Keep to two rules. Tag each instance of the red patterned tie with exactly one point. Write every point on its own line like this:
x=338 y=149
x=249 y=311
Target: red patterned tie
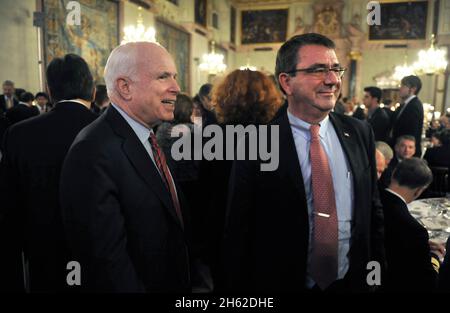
x=324 y=262
x=160 y=161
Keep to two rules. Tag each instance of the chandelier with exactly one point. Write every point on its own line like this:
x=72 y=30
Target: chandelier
x=401 y=71
x=135 y=33
x=248 y=66
x=212 y=62
x=386 y=81
x=431 y=61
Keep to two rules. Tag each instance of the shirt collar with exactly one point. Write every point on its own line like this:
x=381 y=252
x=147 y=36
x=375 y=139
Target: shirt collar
x=141 y=131
x=72 y=100
x=394 y=193
x=409 y=99
x=304 y=127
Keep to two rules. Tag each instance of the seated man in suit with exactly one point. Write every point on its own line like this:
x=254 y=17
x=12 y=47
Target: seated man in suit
x=377 y=117
x=384 y=148
x=404 y=149
x=440 y=156
x=121 y=208
x=412 y=266
x=315 y=222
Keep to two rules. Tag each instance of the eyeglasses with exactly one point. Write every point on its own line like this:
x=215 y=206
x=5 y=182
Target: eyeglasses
x=320 y=72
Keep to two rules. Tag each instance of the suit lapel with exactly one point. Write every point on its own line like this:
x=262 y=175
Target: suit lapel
x=349 y=142
x=348 y=137
x=289 y=157
x=140 y=159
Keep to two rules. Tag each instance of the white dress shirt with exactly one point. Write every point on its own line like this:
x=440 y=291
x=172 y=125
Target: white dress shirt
x=342 y=184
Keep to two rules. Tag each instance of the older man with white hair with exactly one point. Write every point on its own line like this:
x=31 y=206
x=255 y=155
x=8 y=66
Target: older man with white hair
x=122 y=212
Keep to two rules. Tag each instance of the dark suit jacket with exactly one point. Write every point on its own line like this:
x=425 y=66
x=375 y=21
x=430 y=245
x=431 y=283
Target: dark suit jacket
x=30 y=171
x=267 y=229
x=120 y=221
x=381 y=124
x=3 y=103
x=4 y=124
x=359 y=114
x=389 y=112
x=385 y=179
x=410 y=122
x=408 y=255
x=438 y=156
x=20 y=112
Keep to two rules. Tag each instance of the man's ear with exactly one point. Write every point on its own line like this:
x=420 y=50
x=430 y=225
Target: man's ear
x=123 y=88
x=284 y=80
x=418 y=191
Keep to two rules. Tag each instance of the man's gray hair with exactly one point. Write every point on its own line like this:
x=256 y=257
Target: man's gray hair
x=385 y=149
x=121 y=62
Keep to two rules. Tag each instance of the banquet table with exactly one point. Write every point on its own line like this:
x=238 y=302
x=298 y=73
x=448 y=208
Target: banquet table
x=434 y=215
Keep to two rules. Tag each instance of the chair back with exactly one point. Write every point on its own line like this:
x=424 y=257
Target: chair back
x=441 y=181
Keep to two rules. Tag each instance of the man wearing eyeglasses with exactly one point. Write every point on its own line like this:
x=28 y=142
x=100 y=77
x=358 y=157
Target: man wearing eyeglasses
x=315 y=222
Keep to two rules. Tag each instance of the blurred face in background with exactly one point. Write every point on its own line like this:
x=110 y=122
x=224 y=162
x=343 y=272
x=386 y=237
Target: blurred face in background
x=206 y=101
x=41 y=101
x=405 y=149
x=405 y=92
x=444 y=121
x=435 y=141
x=369 y=101
x=196 y=116
x=8 y=90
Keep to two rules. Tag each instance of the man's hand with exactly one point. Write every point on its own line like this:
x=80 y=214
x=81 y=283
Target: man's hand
x=438 y=249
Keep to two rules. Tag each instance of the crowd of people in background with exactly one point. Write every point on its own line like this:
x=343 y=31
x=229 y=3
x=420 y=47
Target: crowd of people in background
x=87 y=174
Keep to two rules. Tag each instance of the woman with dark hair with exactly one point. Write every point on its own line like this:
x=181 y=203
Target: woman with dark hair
x=184 y=172
x=440 y=156
x=243 y=97
x=202 y=105
x=169 y=132
x=101 y=101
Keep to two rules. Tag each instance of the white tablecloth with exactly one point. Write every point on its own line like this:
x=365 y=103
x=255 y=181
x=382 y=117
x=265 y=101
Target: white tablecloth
x=434 y=215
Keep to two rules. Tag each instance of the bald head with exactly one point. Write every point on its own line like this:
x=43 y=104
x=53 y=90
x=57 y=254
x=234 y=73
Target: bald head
x=140 y=78
x=126 y=61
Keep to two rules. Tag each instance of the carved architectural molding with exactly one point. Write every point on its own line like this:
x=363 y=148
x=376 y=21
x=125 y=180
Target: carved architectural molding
x=328 y=18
